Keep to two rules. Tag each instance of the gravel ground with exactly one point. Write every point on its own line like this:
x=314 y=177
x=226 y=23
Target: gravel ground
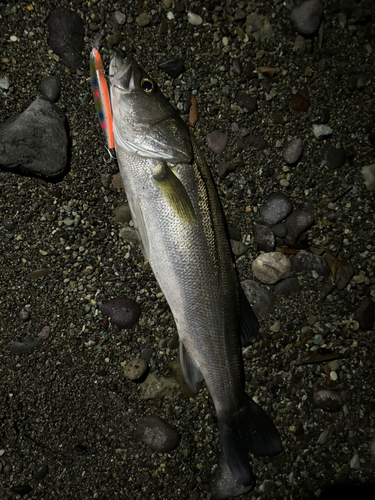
x=67 y=412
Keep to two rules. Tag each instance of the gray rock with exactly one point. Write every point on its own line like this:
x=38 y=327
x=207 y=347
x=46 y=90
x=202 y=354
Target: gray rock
x=343 y=275
x=157 y=434
x=324 y=436
x=223 y=484
x=35 y=140
x=269 y=268
x=293 y=151
x=354 y=462
x=122 y=214
x=194 y=19
x=297 y=222
x=66 y=32
x=260 y=299
x=368 y=173
x=247 y=102
x=124 y=313
x=318 y=339
x=335 y=157
x=26 y=346
x=135 y=369
x=264 y=238
x=321 y=131
x=224 y=168
x=280 y=230
x=41 y=472
x=276 y=208
x=157 y=387
x=307 y=16
x=287 y=287
x=50 y=88
x=238 y=248
x=129 y=235
x=305 y=261
x=216 y=141
x=143 y=19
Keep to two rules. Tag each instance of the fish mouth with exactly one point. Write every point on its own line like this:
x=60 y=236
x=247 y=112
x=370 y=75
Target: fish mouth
x=122 y=72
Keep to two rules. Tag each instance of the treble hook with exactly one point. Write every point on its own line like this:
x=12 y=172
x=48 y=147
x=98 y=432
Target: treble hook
x=111 y=156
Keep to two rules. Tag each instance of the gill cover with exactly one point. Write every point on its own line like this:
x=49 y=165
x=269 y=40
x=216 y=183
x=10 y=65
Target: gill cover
x=145 y=123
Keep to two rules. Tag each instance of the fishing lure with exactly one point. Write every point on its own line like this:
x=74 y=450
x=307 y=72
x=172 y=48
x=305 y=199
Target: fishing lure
x=101 y=97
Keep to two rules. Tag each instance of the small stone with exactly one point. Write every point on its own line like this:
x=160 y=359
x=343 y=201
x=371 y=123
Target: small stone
x=120 y=17
x=129 y=235
x=300 y=101
x=335 y=157
x=124 y=313
x=307 y=16
x=106 y=180
x=4 y=83
x=264 y=238
x=260 y=299
x=287 y=287
x=333 y=375
x=24 y=315
x=329 y=401
x=39 y=273
x=157 y=434
x=280 y=230
x=157 y=387
x=224 y=168
x=368 y=173
x=324 y=436
x=22 y=489
x=143 y=20
x=318 y=339
x=297 y=222
x=269 y=268
x=194 y=19
x=122 y=213
x=343 y=275
x=44 y=332
x=275 y=328
x=276 y=208
x=293 y=151
x=216 y=141
x=321 y=131
x=26 y=346
x=238 y=248
x=41 y=472
x=135 y=369
x=354 y=462
x=247 y=102
x=8 y=224
x=50 y=88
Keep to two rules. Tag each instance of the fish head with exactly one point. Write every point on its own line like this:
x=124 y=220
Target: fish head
x=145 y=123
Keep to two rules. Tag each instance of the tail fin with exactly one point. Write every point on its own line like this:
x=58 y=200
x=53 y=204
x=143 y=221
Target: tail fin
x=250 y=430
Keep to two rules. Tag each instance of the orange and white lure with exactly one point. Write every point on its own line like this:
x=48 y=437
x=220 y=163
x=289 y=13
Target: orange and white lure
x=101 y=96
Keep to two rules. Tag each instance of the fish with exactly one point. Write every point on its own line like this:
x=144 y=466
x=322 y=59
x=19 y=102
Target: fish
x=101 y=96
x=182 y=232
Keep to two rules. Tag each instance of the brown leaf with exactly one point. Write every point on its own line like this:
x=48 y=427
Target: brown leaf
x=193 y=112
x=267 y=71
x=324 y=355
x=334 y=262
x=316 y=251
x=287 y=251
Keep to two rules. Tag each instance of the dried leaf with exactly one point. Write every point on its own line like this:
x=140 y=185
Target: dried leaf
x=316 y=251
x=287 y=251
x=267 y=71
x=334 y=262
x=193 y=112
x=324 y=355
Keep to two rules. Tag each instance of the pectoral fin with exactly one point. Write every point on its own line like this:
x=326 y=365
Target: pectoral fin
x=192 y=373
x=175 y=193
x=140 y=226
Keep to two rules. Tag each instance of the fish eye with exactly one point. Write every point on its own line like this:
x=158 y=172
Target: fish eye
x=147 y=85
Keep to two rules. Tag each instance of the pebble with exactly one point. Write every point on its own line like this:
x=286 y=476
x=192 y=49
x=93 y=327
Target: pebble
x=306 y=261
x=66 y=36
x=44 y=332
x=247 y=102
x=22 y=489
x=124 y=313
x=238 y=248
x=26 y=346
x=224 y=168
x=4 y=83
x=324 y=436
x=261 y=299
x=297 y=222
x=41 y=472
x=368 y=173
x=343 y=275
x=8 y=224
x=143 y=19
x=157 y=387
x=318 y=339
x=173 y=67
x=39 y=273
x=24 y=315
x=120 y=17
x=300 y=101
x=194 y=19
x=280 y=230
x=287 y=287
x=122 y=213
x=275 y=328
x=333 y=375
x=129 y=235
x=269 y=268
x=264 y=238
x=329 y=401
x=354 y=462
x=50 y=88
x=293 y=151
x=135 y=369
x=157 y=434
x=307 y=16
x=276 y=208
x=321 y=131
x=335 y=157
x=217 y=141
x=237 y=67
x=365 y=314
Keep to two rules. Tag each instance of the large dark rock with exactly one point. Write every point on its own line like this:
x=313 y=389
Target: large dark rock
x=35 y=140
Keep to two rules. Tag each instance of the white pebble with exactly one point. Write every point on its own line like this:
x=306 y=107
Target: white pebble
x=170 y=16
x=333 y=375
x=194 y=19
x=13 y=38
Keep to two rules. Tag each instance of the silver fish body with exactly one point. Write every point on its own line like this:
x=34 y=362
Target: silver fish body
x=181 y=227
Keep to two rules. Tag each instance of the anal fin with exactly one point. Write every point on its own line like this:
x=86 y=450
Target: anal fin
x=192 y=373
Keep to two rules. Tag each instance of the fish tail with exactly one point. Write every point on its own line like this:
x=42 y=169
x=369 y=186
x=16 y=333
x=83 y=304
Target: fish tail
x=248 y=430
